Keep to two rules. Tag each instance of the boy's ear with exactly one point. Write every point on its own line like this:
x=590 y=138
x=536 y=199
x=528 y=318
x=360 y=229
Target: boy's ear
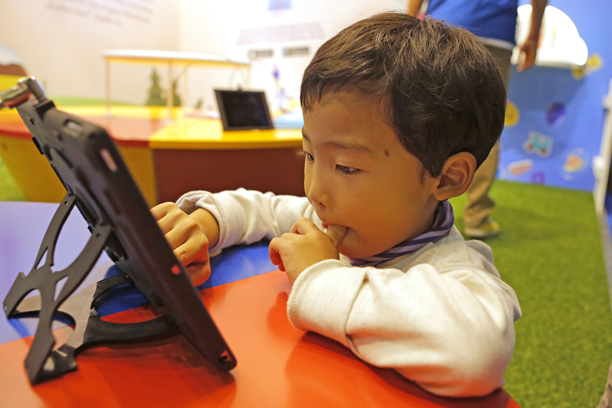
x=456 y=176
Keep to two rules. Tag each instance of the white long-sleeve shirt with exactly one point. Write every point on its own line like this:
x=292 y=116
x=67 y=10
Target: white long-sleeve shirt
x=441 y=317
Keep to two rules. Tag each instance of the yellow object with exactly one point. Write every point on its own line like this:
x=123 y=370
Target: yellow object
x=9 y=116
x=137 y=112
x=208 y=134
x=594 y=62
x=578 y=72
x=38 y=181
x=8 y=81
x=512 y=115
x=30 y=169
x=36 y=178
x=139 y=161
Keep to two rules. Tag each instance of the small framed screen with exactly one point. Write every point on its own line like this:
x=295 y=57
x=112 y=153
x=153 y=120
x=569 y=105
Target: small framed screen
x=243 y=110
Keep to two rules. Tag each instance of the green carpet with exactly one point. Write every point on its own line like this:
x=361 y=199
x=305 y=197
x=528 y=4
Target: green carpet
x=550 y=253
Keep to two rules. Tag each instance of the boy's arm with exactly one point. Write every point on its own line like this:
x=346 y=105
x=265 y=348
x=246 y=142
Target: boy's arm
x=246 y=216
x=450 y=332
x=201 y=223
x=208 y=223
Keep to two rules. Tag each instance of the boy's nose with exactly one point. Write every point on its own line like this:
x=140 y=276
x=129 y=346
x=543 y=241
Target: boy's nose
x=316 y=200
x=316 y=194
x=318 y=204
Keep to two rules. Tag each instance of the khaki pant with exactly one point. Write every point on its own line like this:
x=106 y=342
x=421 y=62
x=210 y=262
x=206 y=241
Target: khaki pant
x=606 y=398
x=479 y=204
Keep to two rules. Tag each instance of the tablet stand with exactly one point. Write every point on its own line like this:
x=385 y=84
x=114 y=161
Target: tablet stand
x=55 y=287
x=41 y=362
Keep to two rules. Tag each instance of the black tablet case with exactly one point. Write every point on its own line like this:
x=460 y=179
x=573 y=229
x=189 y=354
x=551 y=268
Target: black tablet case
x=87 y=162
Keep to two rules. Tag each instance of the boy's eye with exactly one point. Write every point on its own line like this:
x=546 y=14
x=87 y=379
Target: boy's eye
x=307 y=155
x=346 y=170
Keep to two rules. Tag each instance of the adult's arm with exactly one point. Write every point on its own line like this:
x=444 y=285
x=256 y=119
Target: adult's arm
x=529 y=48
x=413 y=7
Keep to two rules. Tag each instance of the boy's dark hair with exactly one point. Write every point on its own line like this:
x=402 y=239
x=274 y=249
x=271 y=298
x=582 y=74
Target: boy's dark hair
x=440 y=87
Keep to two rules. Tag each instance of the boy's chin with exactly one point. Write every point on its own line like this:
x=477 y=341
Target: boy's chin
x=350 y=252
x=352 y=246
x=353 y=251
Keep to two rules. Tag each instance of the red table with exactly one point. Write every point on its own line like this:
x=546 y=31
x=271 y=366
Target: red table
x=278 y=366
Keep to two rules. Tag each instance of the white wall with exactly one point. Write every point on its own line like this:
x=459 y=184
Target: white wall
x=61 y=41
x=232 y=28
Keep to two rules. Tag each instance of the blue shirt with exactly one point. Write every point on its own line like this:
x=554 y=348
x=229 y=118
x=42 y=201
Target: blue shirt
x=494 y=19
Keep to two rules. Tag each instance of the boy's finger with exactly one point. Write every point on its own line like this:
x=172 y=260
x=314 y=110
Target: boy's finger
x=274 y=253
x=336 y=232
x=304 y=226
x=188 y=252
x=198 y=272
x=275 y=258
x=158 y=213
x=166 y=225
x=160 y=210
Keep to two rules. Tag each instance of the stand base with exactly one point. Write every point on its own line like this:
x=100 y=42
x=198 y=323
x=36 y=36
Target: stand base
x=41 y=362
x=89 y=328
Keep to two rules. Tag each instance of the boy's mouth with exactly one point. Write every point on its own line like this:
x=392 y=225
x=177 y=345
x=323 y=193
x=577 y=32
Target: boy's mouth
x=326 y=226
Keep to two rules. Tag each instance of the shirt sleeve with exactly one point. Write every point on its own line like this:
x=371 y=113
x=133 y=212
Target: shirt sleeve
x=452 y=332
x=247 y=216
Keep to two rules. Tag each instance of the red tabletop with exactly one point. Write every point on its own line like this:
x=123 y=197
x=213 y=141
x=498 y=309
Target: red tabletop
x=278 y=366
x=132 y=131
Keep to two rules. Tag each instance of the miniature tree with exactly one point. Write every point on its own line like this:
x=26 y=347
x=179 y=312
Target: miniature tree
x=155 y=92
x=176 y=97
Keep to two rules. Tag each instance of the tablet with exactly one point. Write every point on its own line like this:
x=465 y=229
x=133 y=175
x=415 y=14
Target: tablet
x=243 y=110
x=87 y=162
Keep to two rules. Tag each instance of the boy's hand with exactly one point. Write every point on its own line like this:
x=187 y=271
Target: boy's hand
x=304 y=246
x=186 y=238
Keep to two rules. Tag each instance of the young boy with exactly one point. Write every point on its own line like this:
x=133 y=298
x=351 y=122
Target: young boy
x=398 y=114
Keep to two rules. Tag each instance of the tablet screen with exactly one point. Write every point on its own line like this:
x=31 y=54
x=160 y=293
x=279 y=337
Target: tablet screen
x=243 y=110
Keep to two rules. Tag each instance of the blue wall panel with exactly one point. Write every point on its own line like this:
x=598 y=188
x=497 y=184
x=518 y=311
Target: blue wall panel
x=560 y=116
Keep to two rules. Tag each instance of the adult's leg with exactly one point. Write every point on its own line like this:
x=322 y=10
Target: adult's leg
x=479 y=203
x=606 y=398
